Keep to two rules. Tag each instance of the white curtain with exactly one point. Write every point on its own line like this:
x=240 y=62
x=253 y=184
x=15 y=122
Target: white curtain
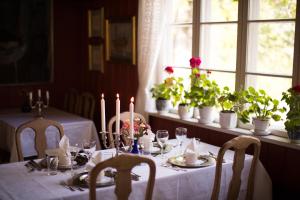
x=152 y=20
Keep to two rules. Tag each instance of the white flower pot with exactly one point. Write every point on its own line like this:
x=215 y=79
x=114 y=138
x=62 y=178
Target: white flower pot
x=196 y=112
x=184 y=112
x=207 y=115
x=261 y=126
x=228 y=120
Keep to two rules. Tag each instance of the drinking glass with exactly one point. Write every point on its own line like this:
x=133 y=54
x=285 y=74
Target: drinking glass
x=52 y=164
x=89 y=147
x=74 y=150
x=181 y=135
x=162 y=137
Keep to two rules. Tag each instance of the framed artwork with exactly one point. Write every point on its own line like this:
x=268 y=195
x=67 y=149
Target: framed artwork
x=95 y=39
x=121 y=40
x=96 y=60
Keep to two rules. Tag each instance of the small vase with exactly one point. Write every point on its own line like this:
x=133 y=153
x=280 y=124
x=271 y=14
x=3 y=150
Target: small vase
x=135 y=148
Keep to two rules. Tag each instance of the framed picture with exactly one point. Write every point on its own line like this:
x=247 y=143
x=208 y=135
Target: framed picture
x=96 y=58
x=95 y=21
x=121 y=40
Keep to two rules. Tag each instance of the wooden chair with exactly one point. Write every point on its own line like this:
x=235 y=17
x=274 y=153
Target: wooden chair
x=239 y=144
x=71 y=100
x=39 y=126
x=123 y=116
x=86 y=105
x=123 y=164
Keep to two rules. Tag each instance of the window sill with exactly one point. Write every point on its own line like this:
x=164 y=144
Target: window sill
x=276 y=137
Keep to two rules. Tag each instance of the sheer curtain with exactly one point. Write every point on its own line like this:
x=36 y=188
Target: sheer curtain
x=152 y=19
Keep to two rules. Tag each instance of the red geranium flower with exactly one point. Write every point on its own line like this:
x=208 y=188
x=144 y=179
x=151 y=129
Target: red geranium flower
x=169 y=70
x=296 y=88
x=197 y=75
x=195 y=62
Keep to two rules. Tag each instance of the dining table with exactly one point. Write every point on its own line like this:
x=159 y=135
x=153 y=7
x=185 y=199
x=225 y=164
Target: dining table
x=76 y=128
x=171 y=182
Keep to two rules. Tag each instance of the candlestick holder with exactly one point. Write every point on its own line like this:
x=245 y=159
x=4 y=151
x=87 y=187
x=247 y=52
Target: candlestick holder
x=113 y=141
x=39 y=104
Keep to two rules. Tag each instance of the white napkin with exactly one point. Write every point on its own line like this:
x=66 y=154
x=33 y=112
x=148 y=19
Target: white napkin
x=95 y=159
x=63 y=152
x=191 y=152
x=147 y=141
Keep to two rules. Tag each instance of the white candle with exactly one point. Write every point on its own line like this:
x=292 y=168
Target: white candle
x=30 y=96
x=39 y=93
x=103 y=113
x=47 y=95
x=131 y=110
x=118 y=115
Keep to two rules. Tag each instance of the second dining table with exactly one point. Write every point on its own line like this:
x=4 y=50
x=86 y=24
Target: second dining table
x=170 y=182
x=77 y=128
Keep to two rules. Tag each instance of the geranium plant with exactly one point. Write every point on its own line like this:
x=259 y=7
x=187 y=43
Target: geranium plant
x=261 y=105
x=171 y=88
x=231 y=101
x=292 y=98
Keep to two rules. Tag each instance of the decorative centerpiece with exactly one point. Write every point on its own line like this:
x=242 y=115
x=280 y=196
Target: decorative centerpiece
x=292 y=123
x=140 y=129
x=262 y=108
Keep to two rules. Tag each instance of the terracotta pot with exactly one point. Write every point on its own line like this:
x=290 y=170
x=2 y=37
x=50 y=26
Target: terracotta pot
x=228 y=120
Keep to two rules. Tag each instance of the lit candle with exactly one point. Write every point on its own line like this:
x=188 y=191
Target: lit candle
x=131 y=110
x=118 y=115
x=103 y=113
x=39 y=93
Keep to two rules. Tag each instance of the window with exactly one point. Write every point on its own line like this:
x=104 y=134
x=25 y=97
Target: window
x=244 y=43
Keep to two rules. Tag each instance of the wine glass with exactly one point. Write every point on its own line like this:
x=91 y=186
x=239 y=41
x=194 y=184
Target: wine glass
x=89 y=147
x=74 y=150
x=162 y=137
x=181 y=135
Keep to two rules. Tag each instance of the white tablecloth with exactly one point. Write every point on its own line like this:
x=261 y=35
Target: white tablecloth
x=75 y=127
x=17 y=183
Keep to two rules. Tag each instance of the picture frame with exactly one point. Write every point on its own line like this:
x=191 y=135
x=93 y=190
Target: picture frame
x=120 y=40
x=96 y=58
x=96 y=22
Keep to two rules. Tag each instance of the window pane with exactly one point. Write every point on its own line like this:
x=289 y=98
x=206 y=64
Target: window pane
x=218 y=46
x=182 y=11
x=270 y=9
x=271 y=47
x=274 y=86
x=219 y=10
x=180 y=47
x=223 y=79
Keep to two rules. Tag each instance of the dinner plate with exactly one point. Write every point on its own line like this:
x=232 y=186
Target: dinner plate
x=156 y=148
x=202 y=161
x=82 y=180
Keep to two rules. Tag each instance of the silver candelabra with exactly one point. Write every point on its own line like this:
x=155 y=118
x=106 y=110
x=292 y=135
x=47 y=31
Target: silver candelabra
x=39 y=104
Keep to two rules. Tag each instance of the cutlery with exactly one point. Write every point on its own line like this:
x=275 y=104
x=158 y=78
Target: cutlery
x=167 y=165
x=35 y=165
x=29 y=167
x=67 y=186
x=214 y=156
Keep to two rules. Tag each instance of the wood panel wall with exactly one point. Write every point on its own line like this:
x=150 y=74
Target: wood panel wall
x=71 y=60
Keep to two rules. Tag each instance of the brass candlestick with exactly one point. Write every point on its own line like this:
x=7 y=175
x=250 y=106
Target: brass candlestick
x=39 y=104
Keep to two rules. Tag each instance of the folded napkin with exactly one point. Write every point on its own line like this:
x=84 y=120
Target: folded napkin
x=63 y=152
x=147 y=141
x=191 y=152
x=95 y=159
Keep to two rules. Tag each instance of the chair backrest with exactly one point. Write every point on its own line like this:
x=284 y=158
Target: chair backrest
x=86 y=105
x=71 y=100
x=123 y=117
x=239 y=144
x=39 y=126
x=123 y=164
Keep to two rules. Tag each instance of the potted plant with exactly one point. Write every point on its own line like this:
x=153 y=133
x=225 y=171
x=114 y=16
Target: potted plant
x=167 y=91
x=292 y=123
x=204 y=94
x=230 y=102
x=263 y=108
x=195 y=63
x=184 y=106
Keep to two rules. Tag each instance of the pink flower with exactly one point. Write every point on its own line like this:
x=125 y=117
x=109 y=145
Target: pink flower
x=169 y=69
x=296 y=88
x=197 y=75
x=195 y=62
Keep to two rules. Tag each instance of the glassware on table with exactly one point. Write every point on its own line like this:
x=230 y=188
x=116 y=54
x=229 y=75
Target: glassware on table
x=181 y=135
x=52 y=164
x=162 y=136
x=74 y=150
x=89 y=147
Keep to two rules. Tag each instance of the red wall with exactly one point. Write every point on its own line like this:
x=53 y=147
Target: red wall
x=71 y=59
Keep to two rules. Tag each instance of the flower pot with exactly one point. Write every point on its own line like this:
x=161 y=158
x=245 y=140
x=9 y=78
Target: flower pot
x=184 y=111
x=207 y=115
x=162 y=106
x=228 y=120
x=261 y=126
x=196 y=112
x=294 y=136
